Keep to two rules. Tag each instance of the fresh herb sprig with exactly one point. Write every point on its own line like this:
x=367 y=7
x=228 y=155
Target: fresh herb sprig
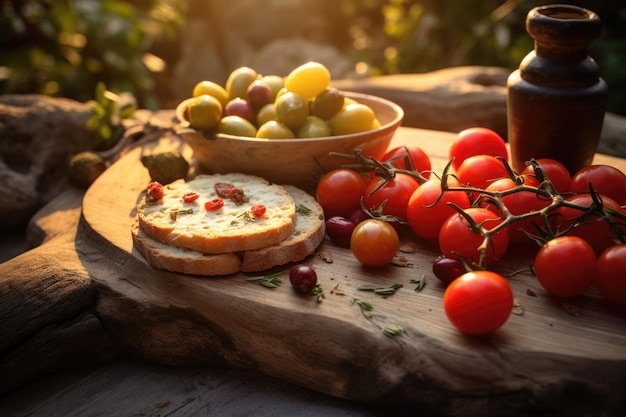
x=271 y=281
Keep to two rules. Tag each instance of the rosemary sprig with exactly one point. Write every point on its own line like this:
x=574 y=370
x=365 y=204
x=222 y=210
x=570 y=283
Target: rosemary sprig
x=364 y=305
x=302 y=209
x=389 y=331
x=420 y=283
x=381 y=290
x=393 y=331
x=272 y=281
x=246 y=216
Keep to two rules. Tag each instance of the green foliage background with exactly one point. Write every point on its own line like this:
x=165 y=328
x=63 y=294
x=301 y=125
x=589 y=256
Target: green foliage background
x=65 y=47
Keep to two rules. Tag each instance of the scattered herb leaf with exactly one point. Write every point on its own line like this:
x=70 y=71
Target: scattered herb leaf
x=302 y=209
x=420 y=283
x=272 y=281
x=393 y=331
x=318 y=292
x=381 y=290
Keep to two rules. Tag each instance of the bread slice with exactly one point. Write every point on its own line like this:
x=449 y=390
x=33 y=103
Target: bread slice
x=185 y=261
x=225 y=230
x=308 y=235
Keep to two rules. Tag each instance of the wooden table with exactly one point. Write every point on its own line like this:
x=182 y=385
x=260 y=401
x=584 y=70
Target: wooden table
x=542 y=360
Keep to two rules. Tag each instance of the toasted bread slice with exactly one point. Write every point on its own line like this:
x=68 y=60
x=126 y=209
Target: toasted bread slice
x=307 y=236
x=185 y=261
x=225 y=230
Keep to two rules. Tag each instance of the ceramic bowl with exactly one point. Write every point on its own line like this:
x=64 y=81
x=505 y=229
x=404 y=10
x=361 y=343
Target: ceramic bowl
x=298 y=162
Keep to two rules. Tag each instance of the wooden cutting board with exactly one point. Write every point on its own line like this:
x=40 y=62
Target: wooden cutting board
x=549 y=356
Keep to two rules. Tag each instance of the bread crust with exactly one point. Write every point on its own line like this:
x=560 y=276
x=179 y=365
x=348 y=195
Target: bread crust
x=309 y=234
x=225 y=230
x=184 y=261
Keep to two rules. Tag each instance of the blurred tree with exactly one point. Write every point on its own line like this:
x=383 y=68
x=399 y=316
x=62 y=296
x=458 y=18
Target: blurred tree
x=65 y=47
x=403 y=36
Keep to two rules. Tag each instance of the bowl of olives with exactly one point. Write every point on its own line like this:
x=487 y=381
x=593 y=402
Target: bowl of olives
x=284 y=129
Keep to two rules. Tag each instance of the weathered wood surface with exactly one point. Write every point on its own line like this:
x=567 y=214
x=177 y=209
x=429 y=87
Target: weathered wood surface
x=98 y=290
x=131 y=388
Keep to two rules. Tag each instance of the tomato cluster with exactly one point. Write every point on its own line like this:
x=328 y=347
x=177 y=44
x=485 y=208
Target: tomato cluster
x=476 y=211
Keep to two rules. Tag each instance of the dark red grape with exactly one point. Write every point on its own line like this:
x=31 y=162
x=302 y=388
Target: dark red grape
x=303 y=278
x=339 y=230
x=448 y=269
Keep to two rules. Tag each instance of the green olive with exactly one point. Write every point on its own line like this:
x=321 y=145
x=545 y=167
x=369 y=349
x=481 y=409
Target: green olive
x=236 y=126
x=238 y=82
x=274 y=130
x=291 y=109
x=204 y=112
x=313 y=127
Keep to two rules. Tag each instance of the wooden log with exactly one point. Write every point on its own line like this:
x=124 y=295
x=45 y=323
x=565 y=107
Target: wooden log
x=47 y=301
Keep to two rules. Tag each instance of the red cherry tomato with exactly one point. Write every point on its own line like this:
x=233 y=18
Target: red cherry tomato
x=258 y=210
x=555 y=171
x=476 y=141
x=606 y=180
x=428 y=208
x=409 y=158
x=611 y=274
x=565 y=266
x=155 y=190
x=190 y=197
x=478 y=302
x=594 y=230
x=458 y=239
x=394 y=194
x=215 y=204
x=520 y=202
x=339 y=192
x=374 y=242
x=479 y=171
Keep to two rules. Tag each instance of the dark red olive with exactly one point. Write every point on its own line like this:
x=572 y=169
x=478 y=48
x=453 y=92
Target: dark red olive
x=448 y=269
x=303 y=278
x=339 y=230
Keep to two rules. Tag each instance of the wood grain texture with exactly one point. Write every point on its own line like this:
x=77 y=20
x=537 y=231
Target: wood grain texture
x=545 y=357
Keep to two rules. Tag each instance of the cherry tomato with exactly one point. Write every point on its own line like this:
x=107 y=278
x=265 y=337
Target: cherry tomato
x=555 y=171
x=428 y=208
x=339 y=191
x=394 y=194
x=409 y=158
x=476 y=141
x=448 y=269
x=303 y=278
x=517 y=203
x=458 y=239
x=339 y=230
x=594 y=230
x=611 y=274
x=374 y=242
x=215 y=204
x=565 y=266
x=478 y=302
x=606 y=180
x=155 y=190
x=258 y=210
x=479 y=171
x=190 y=197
